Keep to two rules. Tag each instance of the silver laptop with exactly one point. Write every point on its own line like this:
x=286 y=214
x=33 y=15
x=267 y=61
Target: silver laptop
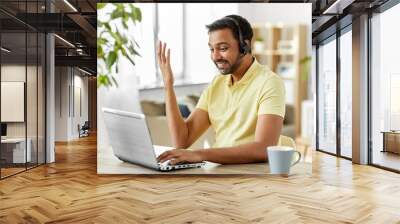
x=131 y=141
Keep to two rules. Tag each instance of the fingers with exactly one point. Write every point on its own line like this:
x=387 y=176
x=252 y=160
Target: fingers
x=163 y=56
x=177 y=160
x=163 y=53
x=168 y=54
x=175 y=156
x=167 y=156
x=163 y=155
x=159 y=52
x=170 y=157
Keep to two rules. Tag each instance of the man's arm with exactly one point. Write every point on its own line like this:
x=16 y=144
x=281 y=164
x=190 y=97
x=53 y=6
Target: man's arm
x=268 y=130
x=183 y=133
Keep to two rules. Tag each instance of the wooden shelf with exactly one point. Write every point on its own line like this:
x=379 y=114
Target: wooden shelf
x=275 y=53
x=293 y=39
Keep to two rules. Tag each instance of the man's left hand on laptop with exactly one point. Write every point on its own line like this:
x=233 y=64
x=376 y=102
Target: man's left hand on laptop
x=180 y=156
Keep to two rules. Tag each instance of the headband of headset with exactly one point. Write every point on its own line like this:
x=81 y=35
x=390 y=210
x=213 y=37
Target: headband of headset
x=243 y=47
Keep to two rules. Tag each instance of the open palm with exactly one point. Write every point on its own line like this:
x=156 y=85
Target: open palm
x=163 y=58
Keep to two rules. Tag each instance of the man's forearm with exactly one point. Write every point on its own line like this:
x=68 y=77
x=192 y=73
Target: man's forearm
x=176 y=124
x=247 y=153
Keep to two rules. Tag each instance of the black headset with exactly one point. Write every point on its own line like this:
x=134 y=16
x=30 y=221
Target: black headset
x=243 y=47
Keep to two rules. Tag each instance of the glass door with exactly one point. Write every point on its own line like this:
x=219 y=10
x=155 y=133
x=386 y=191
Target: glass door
x=327 y=96
x=346 y=93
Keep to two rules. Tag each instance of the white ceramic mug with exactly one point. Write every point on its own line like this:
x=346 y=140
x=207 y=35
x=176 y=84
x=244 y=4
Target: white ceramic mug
x=280 y=159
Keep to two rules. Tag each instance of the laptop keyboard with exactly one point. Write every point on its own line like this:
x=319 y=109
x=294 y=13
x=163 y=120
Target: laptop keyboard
x=167 y=166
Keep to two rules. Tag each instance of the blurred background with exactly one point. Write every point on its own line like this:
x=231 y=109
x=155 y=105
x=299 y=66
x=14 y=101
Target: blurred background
x=282 y=40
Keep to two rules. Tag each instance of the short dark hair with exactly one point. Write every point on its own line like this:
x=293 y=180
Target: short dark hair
x=223 y=23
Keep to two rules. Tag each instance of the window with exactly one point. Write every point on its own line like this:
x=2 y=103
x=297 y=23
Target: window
x=22 y=75
x=327 y=96
x=170 y=30
x=182 y=27
x=346 y=94
x=385 y=89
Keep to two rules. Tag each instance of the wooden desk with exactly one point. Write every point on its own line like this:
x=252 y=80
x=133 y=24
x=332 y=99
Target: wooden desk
x=15 y=148
x=391 y=141
x=107 y=163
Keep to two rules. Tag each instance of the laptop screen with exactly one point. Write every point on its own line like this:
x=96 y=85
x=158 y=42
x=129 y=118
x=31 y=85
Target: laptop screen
x=3 y=129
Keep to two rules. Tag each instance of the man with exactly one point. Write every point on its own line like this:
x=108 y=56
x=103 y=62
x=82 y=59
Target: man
x=244 y=104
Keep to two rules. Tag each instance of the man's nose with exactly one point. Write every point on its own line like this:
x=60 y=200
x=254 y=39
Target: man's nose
x=215 y=55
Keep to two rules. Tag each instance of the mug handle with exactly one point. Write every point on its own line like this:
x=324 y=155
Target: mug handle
x=298 y=160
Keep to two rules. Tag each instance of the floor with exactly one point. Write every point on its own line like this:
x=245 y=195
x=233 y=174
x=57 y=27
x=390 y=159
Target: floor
x=70 y=191
x=9 y=170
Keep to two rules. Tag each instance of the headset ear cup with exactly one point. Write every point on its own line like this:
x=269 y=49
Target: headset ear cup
x=248 y=50
x=242 y=48
x=245 y=48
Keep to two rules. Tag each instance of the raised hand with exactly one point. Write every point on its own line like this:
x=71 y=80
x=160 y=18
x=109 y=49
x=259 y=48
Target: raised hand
x=163 y=58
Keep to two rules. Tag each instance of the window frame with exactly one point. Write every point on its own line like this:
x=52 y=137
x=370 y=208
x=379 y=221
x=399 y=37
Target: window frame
x=381 y=9
x=334 y=36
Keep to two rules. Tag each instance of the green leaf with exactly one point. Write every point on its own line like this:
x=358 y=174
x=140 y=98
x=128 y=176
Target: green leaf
x=100 y=5
x=138 y=14
x=100 y=52
x=103 y=80
x=112 y=57
x=107 y=26
x=133 y=51
x=124 y=40
x=130 y=59
x=116 y=14
x=101 y=41
x=115 y=81
x=137 y=45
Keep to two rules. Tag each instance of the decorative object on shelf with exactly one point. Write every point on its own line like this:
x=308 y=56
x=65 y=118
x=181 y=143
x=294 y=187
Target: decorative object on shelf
x=286 y=70
x=259 y=45
x=286 y=46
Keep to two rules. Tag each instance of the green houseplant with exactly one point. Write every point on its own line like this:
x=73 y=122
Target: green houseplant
x=112 y=42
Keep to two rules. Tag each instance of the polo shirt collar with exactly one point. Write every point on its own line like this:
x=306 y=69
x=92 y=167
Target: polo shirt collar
x=247 y=76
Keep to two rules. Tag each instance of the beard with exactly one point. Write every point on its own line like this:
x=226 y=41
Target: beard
x=225 y=67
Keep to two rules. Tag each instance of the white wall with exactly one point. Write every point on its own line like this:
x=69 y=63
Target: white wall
x=33 y=126
x=286 y=13
x=61 y=103
x=158 y=94
x=68 y=81
x=81 y=83
x=15 y=72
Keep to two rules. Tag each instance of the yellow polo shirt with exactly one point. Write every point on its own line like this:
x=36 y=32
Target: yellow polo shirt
x=233 y=109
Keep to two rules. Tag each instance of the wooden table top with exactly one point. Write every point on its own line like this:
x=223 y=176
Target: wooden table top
x=108 y=163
